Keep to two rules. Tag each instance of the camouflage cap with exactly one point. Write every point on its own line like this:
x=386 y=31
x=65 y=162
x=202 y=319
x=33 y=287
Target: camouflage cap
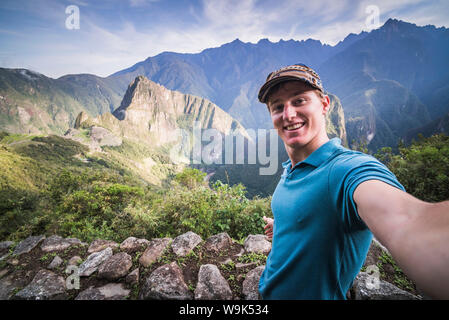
x=297 y=71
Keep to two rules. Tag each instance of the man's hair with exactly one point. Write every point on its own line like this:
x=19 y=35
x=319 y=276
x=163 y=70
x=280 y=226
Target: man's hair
x=278 y=86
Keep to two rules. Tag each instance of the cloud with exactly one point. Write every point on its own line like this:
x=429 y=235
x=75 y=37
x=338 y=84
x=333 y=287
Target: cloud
x=116 y=34
x=140 y=3
x=334 y=21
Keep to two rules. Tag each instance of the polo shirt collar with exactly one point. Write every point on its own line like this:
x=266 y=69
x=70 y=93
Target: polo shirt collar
x=317 y=157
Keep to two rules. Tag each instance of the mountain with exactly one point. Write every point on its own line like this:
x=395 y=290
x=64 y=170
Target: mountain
x=33 y=103
x=229 y=75
x=150 y=113
x=411 y=59
x=152 y=125
x=437 y=126
x=390 y=81
x=380 y=112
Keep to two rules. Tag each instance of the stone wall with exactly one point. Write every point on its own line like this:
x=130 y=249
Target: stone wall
x=184 y=268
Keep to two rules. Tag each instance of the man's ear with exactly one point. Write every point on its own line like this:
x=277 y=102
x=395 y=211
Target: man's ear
x=326 y=104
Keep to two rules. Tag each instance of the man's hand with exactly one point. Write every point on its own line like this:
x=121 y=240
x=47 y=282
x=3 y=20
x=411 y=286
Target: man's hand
x=268 y=227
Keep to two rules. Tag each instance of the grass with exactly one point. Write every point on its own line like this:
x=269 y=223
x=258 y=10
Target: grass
x=46 y=189
x=259 y=258
x=397 y=277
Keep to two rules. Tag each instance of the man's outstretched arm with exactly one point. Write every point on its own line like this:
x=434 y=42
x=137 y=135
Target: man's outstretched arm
x=415 y=232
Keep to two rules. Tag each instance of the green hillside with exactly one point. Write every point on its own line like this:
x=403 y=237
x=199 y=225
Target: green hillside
x=32 y=103
x=54 y=185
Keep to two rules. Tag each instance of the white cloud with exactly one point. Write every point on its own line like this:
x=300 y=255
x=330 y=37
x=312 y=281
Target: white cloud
x=222 y=21
x=353 y=17
x=102 y=48
x=140 y=3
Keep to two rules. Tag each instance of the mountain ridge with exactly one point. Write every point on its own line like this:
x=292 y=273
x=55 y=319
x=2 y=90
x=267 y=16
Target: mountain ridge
x=414 y=56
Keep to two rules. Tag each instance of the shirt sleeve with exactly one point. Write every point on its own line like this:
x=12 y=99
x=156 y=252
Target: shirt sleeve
x=347 y=174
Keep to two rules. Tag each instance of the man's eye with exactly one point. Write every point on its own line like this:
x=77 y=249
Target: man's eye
x=299 y=101
x=276 y=108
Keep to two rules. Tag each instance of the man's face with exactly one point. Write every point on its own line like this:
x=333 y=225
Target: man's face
x=298 y=113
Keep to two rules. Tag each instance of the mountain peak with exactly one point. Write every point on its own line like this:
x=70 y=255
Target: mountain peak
x=264 y=41
x=391 y=21
x=137 y=87
x=395 y=24
x=82 y=117
x=236 y=42
x=140 y=78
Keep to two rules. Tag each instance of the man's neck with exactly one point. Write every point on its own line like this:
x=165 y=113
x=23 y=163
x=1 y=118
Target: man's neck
x=298 y=154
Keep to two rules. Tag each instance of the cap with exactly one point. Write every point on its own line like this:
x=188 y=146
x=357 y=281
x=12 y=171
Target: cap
x=297 y=71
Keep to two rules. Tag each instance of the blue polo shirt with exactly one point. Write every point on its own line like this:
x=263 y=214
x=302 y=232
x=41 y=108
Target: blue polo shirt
x=319 y=241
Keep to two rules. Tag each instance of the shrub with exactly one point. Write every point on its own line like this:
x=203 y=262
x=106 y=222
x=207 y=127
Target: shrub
x=90 y=203
x=207 y=211
x=422 y=168
x=190 y=177
x=84 y=211
x=17 y=209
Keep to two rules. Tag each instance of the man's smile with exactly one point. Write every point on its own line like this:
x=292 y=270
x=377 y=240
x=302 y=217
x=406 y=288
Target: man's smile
x=294 y=126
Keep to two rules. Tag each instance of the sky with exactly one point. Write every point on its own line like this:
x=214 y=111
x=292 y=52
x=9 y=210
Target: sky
x=56 y=37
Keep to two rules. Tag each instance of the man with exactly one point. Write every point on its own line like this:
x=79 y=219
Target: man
x=331 y=200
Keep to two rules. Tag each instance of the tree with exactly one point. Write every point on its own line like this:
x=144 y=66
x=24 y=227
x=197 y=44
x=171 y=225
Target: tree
x=422 y=168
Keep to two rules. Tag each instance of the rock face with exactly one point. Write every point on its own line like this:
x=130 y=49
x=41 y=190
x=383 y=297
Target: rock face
x=57 y=243
x=99 y=245
x=149 y=110
x=251 y=284
x=184 y=244
x=218 y=242
x=93 y=261
x=133 y=244
x=257 y=243
x=154 y=250
x=366 y=289
x=56 y=262
x=27 y=245
x=10 y=283
x=218 y=269
x=166 y=282
x=211 y=284
x=115 y=267
x=111 y=291
x=133 y=277
x=45 y=286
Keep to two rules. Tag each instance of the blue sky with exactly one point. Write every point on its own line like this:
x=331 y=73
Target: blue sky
x=115 y=34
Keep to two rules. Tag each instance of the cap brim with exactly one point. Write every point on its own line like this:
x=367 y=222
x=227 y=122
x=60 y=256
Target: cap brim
x=265 y=89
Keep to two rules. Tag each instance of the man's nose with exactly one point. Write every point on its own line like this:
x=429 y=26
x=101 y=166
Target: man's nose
x=289 y=111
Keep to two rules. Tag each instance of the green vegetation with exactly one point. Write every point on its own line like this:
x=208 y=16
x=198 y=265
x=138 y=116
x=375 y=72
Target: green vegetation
x=422 y=168
x=398 y=277
x=46 y=188
x=258 y=258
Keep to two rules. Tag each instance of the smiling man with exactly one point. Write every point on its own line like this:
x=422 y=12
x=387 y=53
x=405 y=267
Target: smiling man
x=331 y=200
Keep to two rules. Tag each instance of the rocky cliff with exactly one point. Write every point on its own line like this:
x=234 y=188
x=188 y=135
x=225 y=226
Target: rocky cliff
x=184 y=268
x=150 y=113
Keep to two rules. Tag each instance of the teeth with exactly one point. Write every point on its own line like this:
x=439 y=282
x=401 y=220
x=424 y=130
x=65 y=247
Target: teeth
x=295 y=126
